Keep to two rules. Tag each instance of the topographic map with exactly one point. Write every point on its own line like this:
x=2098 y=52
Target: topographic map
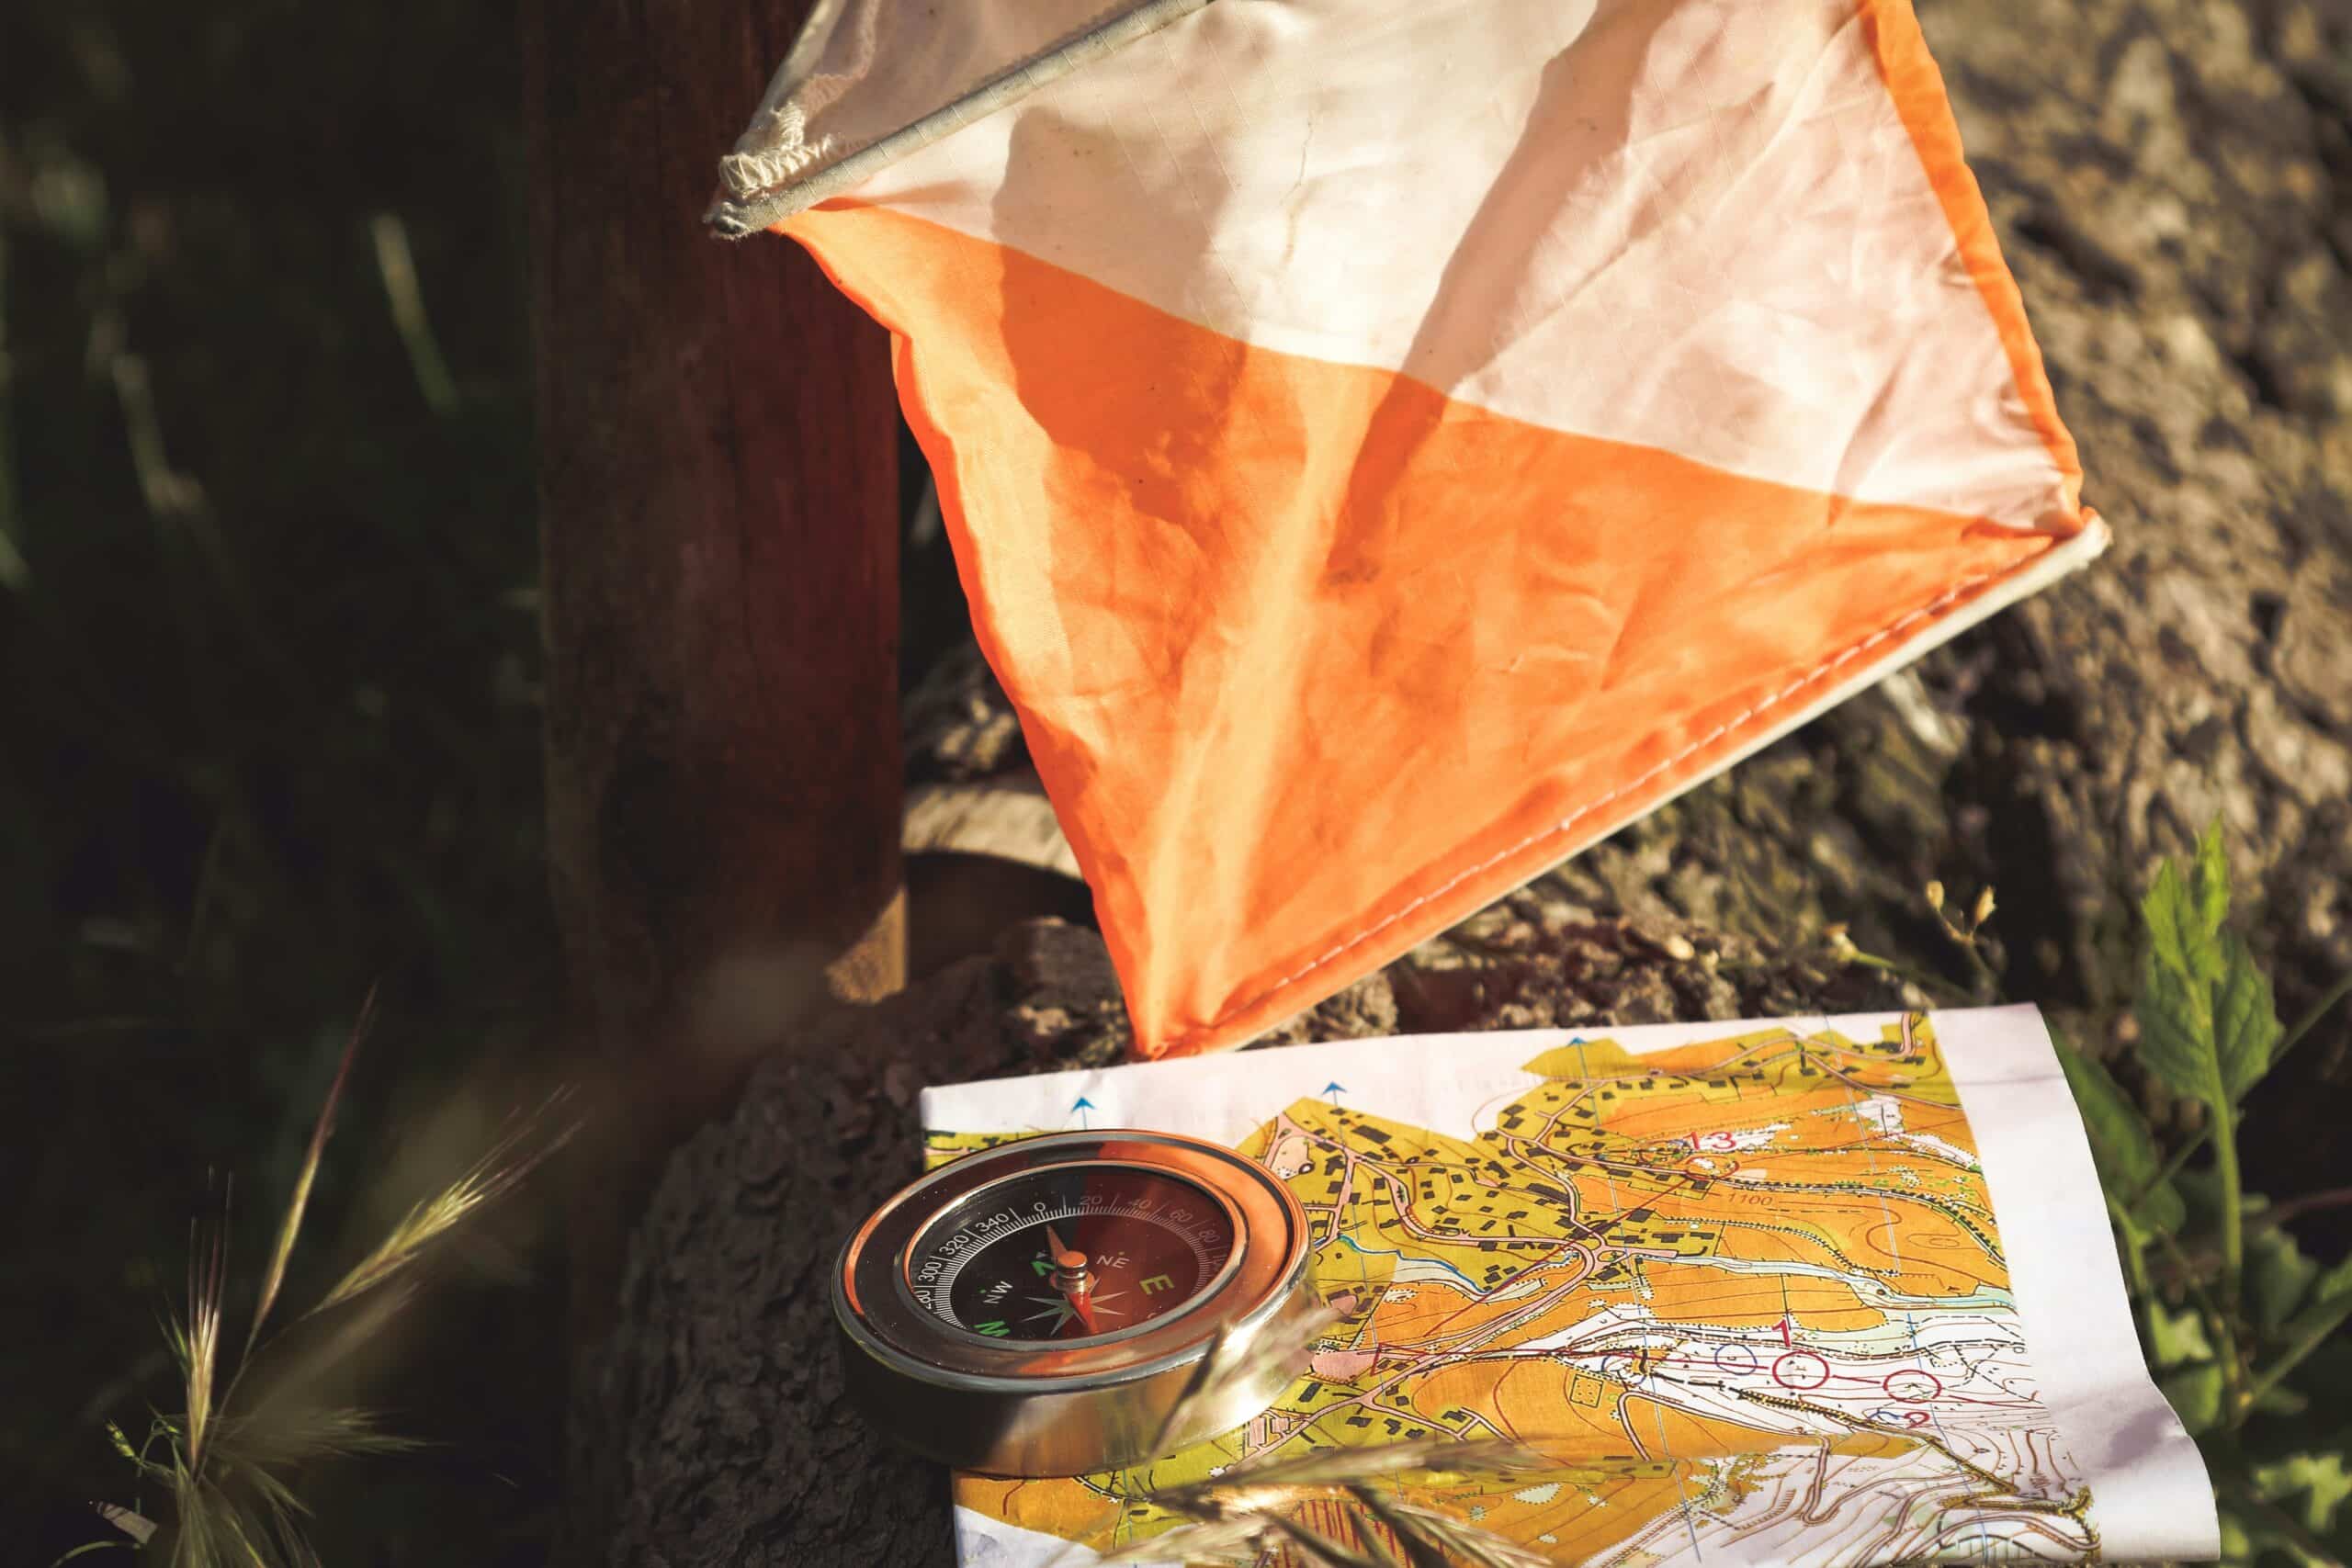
x=1745 y=1294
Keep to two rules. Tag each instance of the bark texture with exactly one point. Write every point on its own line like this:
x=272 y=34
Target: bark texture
x=718 y=485
x=718 y=506
x=2174 y=186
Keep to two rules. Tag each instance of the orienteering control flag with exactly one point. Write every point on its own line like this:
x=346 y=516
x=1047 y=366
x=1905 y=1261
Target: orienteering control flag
x=1389 y=444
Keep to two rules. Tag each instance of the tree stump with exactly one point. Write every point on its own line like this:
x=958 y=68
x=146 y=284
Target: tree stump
x=718 y=519
x=713 y=1429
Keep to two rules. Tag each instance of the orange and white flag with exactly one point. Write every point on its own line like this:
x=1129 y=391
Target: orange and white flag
x=1388 y=444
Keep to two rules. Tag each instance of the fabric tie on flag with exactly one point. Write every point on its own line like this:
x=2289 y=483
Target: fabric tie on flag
x=1389 y=444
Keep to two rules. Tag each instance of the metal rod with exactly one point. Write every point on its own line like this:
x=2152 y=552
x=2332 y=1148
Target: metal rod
x=735 y=218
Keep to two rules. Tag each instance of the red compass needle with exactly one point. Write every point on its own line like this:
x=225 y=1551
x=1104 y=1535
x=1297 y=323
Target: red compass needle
x=1072 y=1280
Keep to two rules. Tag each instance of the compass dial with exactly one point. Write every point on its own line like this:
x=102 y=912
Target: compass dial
x=1083 y=1250
x=1075 y=1301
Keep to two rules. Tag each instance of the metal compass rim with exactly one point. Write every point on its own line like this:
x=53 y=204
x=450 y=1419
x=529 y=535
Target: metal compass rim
x=876 y=1310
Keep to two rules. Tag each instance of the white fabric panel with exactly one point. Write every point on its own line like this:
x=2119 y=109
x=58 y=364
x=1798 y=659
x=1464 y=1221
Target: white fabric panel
x=1700 y=226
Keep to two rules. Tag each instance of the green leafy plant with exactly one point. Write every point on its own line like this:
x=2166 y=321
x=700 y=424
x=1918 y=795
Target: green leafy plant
x=2244 y=1330
x=228 y=1460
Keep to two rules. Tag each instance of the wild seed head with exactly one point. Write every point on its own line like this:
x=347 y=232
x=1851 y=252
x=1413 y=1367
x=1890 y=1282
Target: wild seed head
x=1231 y=1359
x=1236 y=1542
x=196 y=1346
x=226 y=1459
x=496 y=1174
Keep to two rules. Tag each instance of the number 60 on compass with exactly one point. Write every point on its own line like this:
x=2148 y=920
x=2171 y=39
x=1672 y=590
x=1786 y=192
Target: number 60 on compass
x=1044 y=1307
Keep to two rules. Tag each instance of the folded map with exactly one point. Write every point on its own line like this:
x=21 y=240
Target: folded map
x=1813 y=1290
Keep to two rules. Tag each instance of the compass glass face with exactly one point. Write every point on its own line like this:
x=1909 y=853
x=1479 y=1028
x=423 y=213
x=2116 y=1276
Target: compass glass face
x=1070 y=1252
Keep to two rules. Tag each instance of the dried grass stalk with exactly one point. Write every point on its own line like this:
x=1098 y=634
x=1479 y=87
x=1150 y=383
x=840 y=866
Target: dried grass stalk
x=1259 y=1485
x=275 y=1277
x=1420 y=1551
x=227 y=1458
x=196 y=1344
x=1464 y=1541
x=1231 y=1358
x=490 y=1178
x=1237 y=1541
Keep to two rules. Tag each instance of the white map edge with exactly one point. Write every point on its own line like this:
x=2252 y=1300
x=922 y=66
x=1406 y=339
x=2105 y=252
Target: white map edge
x=2151 y=1493
x=985 y=1541
x=2053 y=1223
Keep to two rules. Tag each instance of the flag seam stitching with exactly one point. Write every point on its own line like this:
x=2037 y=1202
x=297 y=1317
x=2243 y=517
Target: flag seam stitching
x=1565 y=824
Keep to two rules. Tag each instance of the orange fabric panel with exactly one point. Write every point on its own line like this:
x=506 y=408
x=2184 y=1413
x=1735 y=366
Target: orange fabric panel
x=1314 y=661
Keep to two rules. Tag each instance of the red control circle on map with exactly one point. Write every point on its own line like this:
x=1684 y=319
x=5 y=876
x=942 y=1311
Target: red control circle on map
x=1913 y=1386
x=1801 y=1369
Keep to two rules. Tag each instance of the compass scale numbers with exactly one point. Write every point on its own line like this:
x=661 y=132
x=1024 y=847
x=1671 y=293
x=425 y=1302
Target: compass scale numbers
x=1042 y=1307
x=1080 y=1252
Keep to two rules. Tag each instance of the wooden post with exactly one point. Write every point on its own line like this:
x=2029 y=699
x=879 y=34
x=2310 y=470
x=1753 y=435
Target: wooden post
x=718 y=492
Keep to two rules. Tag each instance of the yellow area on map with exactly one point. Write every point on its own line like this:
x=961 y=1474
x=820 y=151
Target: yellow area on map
x=1742 y=1298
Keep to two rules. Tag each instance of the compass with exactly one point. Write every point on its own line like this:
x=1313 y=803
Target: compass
x=1042 y=1307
